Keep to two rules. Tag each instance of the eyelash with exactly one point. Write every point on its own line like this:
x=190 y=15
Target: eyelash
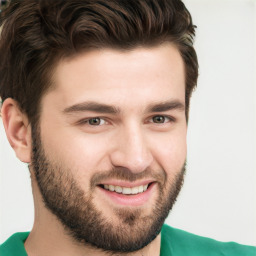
x=86 y=121
x=166 y=117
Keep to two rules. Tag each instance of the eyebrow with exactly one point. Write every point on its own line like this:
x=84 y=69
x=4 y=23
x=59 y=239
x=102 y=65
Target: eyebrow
x=109 y=109
x=166 y=106
x=92 y=106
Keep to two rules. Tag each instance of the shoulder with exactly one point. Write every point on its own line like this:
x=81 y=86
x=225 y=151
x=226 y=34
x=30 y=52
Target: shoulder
x=178 y=242
x=14 y=245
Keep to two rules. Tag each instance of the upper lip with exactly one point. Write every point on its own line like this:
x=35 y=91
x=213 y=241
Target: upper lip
x=127 y=184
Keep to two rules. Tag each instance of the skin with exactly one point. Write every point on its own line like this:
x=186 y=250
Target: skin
x=131 y=81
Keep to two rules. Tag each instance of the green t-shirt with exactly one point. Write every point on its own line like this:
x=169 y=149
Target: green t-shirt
x=174 y=242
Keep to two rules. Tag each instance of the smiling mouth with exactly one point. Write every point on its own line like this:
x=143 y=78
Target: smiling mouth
x=125 y=190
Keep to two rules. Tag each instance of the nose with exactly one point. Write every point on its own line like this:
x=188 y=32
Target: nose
x=131 y=150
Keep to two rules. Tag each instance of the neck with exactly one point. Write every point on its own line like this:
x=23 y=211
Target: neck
x=49 y=237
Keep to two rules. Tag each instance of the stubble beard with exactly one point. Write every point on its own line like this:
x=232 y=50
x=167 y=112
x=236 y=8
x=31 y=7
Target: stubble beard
x=76 y=210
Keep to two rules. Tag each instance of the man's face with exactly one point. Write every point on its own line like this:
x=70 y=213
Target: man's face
x=110 y=148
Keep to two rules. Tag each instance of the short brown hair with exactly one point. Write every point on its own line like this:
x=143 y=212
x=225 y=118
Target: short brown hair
x=36 y=34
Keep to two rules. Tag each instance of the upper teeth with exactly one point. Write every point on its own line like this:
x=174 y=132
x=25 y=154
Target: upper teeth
x=127 y=191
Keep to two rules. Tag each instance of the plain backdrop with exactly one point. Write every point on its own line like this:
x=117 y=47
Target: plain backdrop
x=219 y=196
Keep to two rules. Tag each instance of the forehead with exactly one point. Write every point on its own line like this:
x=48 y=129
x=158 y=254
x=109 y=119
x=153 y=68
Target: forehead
x=109 y=75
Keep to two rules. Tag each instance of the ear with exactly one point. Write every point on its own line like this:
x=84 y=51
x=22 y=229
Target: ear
x=18 y=129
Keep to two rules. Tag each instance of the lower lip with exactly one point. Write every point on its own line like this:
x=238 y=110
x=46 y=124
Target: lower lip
x=130 y=200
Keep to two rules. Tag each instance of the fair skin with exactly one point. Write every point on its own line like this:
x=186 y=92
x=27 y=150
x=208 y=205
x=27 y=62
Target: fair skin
x=141 y=86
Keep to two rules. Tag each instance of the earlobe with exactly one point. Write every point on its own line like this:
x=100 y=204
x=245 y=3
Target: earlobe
x=18 y=129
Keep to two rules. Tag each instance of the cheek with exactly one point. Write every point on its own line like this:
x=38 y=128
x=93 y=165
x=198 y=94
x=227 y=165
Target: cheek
x=170 y=152
x=88 y=156
x=76 y=152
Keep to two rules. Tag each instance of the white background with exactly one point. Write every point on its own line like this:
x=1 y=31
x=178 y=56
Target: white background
x=219 y=196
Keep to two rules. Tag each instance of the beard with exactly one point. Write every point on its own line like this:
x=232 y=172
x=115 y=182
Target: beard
x=129 y=230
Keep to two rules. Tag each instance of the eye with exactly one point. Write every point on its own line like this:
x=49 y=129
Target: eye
x=161 y=119
x=96 y=121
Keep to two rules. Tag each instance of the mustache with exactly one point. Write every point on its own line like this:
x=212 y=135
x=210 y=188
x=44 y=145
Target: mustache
x=124 y=174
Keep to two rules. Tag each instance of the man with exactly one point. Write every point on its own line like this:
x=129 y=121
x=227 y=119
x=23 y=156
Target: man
x=96 y=99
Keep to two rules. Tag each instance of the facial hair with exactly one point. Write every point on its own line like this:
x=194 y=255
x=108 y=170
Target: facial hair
x=84 y=222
